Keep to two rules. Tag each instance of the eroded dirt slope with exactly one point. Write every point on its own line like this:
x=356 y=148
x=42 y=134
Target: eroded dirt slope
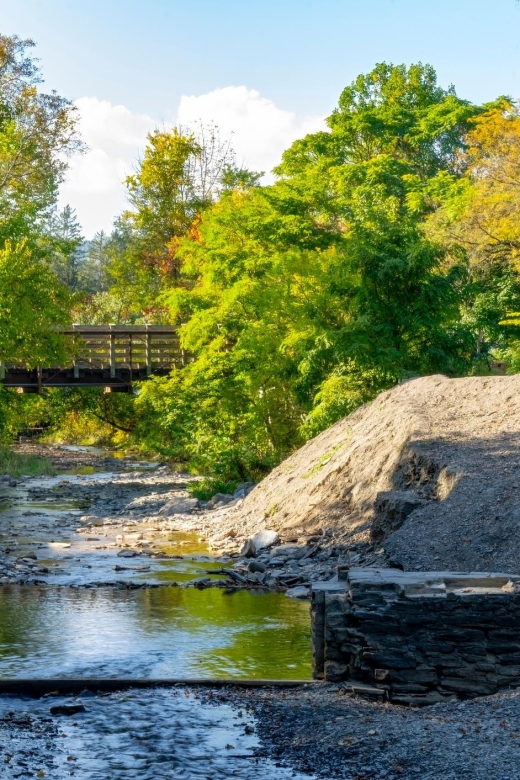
x=429 y=472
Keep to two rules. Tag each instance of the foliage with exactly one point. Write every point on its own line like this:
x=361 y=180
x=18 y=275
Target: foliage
x=88 y=416
x=20 y=464
x=309 y=296
x=386 y=248
x=32 y=304
x=37 y=132
x=479 y=216
x=179 y=175
x=92 y=275
x=66 y=244
x=207 y=488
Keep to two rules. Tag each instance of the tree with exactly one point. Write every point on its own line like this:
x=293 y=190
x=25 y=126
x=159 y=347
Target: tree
x=92 y=276
x=305 y=298
x=179 y=175
x=393 y=110
x=478 y=217
x=32 y=305
x=37 y=133
x=68 y=246
x=482 y=213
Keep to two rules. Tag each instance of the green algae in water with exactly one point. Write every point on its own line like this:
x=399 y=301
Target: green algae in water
x=157 y=632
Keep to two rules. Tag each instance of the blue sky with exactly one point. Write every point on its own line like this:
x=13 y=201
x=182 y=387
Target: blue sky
x=290 y=57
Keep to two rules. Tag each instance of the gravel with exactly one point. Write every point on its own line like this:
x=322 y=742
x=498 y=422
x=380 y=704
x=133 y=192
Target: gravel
x=326 y=731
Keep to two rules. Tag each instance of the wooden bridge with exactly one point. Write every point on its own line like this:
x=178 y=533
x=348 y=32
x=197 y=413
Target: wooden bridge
x=110 y=356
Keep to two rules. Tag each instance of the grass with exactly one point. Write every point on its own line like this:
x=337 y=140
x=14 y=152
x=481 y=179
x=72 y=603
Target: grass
x=206 y=488
x=322 y=461
x=17 y=465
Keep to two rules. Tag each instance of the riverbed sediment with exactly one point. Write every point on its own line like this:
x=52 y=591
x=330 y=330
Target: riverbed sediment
x=108 y=528
x=106 y=521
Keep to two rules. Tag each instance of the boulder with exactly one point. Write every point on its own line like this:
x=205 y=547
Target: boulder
x=260 y=541
x=220 y=498
x=179 y=506
x=92 y=520
x=256 y=566
x=67 y=709
x=127 y=553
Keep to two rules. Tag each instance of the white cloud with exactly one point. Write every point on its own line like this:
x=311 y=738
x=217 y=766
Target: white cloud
x=260 y=130
x=115 y=136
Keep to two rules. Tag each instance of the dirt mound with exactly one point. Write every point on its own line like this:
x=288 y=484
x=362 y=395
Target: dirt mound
x=429 y=471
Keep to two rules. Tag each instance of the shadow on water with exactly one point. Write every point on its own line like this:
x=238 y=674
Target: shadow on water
x=158 y=632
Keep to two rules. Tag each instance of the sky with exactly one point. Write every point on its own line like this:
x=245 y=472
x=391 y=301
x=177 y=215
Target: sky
x=267 y=71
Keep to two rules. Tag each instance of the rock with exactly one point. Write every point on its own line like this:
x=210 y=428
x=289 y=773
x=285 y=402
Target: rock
x=277 y=561
x=127 y=553
x=231 y=534
x=234 y=575
x=97 y=522
x=220 y=498
x=243 y=489
x=179 y=506
x=300 y=592
x=256 y=566
x=67 y=709
x=30 y=556
x=86 y=694
x=391 y=510
x=201 y=582
x=291 y=550
x=260 y=541
x=335 y=672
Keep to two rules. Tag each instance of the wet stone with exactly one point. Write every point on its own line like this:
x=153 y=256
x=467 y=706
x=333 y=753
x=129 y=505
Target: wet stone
x=135 y=735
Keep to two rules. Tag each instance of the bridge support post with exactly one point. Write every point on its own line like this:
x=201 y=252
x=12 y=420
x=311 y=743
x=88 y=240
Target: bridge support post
x=148 y=352
x=112 y=354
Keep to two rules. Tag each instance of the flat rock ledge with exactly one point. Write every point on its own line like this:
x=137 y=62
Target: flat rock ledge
x=418 y=637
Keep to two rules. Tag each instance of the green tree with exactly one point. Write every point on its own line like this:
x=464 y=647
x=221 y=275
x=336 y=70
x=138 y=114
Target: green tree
x=92 y=276
x=37 y=133
x=307 y=297
x=67 y=245
x=179 y=175
x=32 y=305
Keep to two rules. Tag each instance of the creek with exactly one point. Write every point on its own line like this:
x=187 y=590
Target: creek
x=71 y=607
x=78 y=609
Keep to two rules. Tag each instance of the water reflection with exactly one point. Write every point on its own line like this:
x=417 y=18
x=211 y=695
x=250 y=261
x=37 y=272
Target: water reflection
x=160 y=632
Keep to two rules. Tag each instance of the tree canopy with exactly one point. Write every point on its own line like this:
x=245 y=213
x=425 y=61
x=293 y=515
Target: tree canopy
x=387 y=247
x=37 y=132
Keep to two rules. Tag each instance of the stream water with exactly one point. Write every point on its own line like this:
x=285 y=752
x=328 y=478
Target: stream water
x=93 y=630
x=159 y=632
x=76 y=626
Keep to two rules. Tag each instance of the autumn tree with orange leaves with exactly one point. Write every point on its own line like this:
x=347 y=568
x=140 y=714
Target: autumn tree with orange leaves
x=179 y=175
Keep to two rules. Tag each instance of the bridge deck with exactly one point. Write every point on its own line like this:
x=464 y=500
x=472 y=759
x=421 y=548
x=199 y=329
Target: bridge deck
x=111 y=356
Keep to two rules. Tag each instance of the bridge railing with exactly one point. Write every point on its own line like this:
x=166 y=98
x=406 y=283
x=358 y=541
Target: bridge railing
x=105 y=355
x=152 y=347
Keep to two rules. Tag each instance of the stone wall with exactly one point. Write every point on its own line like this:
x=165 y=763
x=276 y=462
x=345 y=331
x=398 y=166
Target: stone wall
x=418 y=637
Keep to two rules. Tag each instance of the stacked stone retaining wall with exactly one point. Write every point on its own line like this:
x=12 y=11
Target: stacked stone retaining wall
x=418 y=637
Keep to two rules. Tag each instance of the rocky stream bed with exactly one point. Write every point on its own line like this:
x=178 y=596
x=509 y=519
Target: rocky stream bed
x=112 y=526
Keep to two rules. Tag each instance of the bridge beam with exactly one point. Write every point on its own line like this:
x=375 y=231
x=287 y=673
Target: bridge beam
x=105 y=356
